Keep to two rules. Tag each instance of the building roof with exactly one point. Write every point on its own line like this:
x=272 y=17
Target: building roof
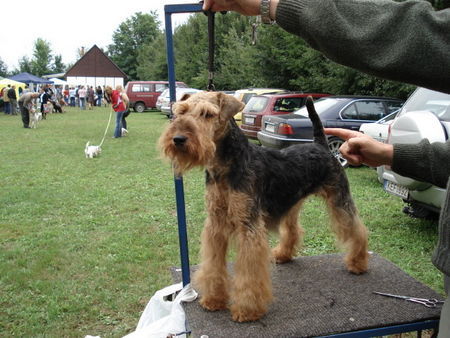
x=95 y=63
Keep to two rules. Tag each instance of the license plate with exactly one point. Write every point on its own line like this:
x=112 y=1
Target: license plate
x=249 y=120
x=396 y=189
x=270 y=128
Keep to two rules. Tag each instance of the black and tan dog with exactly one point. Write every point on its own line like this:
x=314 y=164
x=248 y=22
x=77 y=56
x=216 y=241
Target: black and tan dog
x=249 y=190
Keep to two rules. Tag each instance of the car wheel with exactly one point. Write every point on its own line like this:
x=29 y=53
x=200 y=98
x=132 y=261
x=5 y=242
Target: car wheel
x=139 y=107
x=334 y=143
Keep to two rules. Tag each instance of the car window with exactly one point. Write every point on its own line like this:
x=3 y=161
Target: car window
x=288 y=104
x=247 y=97
x=350 y=113
x=393 y=106
x=160 y=87
x=366 y=110
x=136 y=88
x=425 y=99
x=146 y=88
x=256 y=104
x=320 y=105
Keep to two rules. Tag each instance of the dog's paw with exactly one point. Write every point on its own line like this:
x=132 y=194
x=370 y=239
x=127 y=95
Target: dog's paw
x=357 y=265
x=213 y=304
x=241 y=315
x=280 y=256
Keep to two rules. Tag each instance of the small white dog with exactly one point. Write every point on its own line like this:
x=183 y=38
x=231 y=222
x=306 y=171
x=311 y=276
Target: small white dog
x=35 y=117
x=92 y=151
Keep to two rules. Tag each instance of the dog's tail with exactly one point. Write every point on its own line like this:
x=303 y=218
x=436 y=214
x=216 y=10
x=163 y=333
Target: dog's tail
x=319 y=135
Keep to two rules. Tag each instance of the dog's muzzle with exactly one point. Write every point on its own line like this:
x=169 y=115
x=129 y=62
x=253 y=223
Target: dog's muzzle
x=179 y=140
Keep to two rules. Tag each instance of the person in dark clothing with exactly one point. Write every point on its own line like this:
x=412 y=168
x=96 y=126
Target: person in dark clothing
x=13 y=100
x=25 y=104
x=407 y=41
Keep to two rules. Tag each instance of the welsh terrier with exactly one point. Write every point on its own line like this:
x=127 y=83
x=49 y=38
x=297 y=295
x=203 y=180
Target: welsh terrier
x=250 y=190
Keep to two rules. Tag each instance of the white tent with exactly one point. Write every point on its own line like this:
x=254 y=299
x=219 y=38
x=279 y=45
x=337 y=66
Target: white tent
x=58 y=82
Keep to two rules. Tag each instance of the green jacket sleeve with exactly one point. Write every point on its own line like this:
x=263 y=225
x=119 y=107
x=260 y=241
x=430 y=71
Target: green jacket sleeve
x=405 y=41
x=423 y=161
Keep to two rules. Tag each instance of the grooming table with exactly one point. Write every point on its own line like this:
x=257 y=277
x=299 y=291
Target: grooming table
x=316 y=296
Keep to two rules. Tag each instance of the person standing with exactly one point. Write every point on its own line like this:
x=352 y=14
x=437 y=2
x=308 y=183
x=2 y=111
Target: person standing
x=407 y=41
x=99 y=93
x=6 y=99
x=25 y=104
x=115 y=97
x=13 y=100
x=82 y=97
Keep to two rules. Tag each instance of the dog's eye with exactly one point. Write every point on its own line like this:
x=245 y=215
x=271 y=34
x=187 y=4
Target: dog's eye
x=207 y=114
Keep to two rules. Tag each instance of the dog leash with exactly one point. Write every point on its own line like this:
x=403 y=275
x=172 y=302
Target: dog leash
x=211 y=44
x=211 y=48
x=107 y=126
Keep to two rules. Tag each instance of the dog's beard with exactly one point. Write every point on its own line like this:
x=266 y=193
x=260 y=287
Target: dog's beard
x=187 y=156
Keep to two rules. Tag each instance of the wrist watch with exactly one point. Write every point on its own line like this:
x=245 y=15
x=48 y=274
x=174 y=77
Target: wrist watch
x=265 y=12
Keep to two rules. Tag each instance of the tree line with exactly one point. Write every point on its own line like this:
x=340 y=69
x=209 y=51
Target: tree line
x=247 y=54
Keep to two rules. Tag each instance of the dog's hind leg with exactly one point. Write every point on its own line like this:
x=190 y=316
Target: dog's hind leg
x=291 y=236
x=346 y=224
x=212 y=277
x=252 y=285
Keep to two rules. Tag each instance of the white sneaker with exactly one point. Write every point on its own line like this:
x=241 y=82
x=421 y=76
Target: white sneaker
x=124 y=132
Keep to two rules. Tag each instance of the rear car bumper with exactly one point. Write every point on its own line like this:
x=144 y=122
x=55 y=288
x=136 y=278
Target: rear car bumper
x=274 y=141
x=249 y=132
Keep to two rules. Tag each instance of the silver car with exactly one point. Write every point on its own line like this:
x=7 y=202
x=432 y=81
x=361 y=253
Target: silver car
x=426 y=114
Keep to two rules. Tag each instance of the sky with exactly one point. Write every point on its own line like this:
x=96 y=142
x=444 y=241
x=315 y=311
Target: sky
x=68 y=26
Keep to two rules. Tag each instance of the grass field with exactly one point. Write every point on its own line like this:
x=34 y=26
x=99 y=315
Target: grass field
x=85 y=243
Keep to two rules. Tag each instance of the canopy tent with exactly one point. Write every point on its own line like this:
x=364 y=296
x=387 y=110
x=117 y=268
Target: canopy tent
x=29 y=78
x=5 y=82
x=58 y=82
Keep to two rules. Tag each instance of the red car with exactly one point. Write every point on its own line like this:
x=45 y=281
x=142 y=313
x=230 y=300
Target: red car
x=271 y=104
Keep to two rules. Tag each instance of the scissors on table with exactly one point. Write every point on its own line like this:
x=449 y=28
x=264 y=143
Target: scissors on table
x=428 y=302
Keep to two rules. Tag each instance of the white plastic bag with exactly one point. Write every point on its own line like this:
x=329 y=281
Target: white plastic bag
x=163 y=314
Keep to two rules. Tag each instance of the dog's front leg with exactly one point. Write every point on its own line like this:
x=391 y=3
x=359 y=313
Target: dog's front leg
x=252 y=285
x=211 y=279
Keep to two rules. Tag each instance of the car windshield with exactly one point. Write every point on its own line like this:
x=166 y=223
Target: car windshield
x=321 y=105
x=430 y=100
x=256 y=104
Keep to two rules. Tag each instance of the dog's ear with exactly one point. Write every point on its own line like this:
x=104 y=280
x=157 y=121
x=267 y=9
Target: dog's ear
x=185 y=97
x=229 y=105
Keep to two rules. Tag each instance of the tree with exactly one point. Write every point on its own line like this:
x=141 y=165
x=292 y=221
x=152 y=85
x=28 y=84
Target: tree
x=24 y=65
x=128 y=40
x=58 y=66
x=42 y=58
x=152 y=60
x=3 y=68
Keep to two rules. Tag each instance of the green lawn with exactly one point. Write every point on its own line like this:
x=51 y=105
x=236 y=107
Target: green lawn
x=85 y=243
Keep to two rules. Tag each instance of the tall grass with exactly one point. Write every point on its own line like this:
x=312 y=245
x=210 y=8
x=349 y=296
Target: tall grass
x=84 y=243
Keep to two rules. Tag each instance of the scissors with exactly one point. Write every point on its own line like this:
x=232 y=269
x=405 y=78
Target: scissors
x=428 y=302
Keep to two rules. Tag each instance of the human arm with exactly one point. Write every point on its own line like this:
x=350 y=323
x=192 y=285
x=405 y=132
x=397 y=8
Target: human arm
x=404 y=41
x=422 y=161
x=362 y=149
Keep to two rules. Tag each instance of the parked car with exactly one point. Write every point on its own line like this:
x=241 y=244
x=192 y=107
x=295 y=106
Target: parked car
x=426 y=114
x=143 y=94
x=280 y=131
x=166 y=108
x=244 y=95
x=271 y=104
x=379 y=129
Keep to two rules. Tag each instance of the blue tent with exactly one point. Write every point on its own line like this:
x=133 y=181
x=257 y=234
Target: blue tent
x=29 y=78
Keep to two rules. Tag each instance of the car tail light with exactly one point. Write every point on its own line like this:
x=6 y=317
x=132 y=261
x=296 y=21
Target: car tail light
x=285 y=129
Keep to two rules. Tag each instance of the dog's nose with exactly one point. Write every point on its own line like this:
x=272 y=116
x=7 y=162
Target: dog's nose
x=179 y=140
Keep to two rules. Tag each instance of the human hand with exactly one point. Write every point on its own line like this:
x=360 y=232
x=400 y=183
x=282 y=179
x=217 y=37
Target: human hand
x=362 y=149
x=245 y=7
